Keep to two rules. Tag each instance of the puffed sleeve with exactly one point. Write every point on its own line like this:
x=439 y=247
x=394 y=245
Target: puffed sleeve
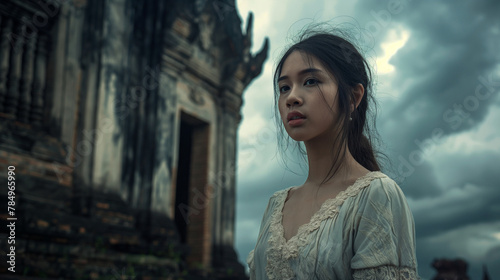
x=384 y=241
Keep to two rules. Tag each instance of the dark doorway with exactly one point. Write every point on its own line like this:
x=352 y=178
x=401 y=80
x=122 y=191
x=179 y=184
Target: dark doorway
x=192 y=197
x=183 y=176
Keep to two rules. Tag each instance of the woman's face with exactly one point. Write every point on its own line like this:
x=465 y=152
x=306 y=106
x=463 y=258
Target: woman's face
x=302 y=81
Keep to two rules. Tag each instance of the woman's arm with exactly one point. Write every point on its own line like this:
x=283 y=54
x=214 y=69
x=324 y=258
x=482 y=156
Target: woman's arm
x=384 y=243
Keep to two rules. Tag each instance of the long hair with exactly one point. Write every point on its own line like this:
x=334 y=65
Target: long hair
x=346 y=64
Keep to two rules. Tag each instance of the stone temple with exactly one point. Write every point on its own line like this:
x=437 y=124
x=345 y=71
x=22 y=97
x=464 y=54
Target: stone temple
x=119 y=121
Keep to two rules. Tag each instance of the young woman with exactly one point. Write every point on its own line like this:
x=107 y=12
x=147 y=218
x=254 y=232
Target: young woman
x=348 y=220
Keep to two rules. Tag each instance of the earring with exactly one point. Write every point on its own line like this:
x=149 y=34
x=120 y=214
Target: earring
x=350 y=118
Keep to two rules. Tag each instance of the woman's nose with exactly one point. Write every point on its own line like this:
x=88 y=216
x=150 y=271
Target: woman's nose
x=293 y=98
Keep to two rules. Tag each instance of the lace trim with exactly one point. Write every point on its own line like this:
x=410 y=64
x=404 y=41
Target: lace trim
x=280 y=250
x=388 y=272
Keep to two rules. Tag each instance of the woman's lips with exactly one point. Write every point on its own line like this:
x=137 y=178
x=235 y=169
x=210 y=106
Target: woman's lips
x=296 y=122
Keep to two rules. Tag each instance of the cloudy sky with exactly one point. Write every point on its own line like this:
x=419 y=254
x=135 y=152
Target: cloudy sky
x=437 y=85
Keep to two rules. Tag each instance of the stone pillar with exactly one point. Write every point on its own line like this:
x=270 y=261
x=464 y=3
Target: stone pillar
x=229 y=147
x=164 y=139
x=224 y=253
x=13 y=93
x=113 y=103
x=27 y=79
x=5 y=34
x=40 y=78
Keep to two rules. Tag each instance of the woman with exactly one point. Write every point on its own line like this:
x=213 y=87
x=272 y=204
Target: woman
x=348 y=220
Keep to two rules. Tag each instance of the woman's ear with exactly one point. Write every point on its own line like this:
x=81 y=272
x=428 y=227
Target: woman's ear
x=358 y=92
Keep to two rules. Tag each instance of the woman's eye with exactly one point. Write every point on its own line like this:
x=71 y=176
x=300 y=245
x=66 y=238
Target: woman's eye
x=311 y=82
x=284 y=88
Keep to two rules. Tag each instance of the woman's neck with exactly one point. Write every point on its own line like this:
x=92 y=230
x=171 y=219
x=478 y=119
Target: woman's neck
x=321 y=159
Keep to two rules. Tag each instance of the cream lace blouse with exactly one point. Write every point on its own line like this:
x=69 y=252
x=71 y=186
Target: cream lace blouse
x=366 y=232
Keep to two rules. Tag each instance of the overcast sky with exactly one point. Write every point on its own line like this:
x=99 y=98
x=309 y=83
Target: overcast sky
x=437 y=68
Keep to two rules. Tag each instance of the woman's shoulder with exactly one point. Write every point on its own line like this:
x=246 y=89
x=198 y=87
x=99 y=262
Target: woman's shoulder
x=281 y=193
x=278 y=198
x=382 y=199
x=370 y=182
x=382 y=182
x=384 y=188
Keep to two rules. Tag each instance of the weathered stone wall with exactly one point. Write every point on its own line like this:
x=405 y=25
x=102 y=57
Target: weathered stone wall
x=92 y=102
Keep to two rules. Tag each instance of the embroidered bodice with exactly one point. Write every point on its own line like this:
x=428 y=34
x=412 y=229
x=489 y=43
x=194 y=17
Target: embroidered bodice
x=365 y=232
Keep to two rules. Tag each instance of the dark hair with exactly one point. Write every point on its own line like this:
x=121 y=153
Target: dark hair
x=342 y=59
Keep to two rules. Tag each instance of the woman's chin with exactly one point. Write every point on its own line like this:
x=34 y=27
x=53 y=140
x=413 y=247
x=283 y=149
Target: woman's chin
x=298 y=136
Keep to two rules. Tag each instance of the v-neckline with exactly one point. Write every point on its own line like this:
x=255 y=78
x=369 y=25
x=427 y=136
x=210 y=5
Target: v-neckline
x=280 y=250
x=315 y=216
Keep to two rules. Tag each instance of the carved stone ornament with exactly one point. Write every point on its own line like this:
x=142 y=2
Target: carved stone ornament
x=196 y=97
